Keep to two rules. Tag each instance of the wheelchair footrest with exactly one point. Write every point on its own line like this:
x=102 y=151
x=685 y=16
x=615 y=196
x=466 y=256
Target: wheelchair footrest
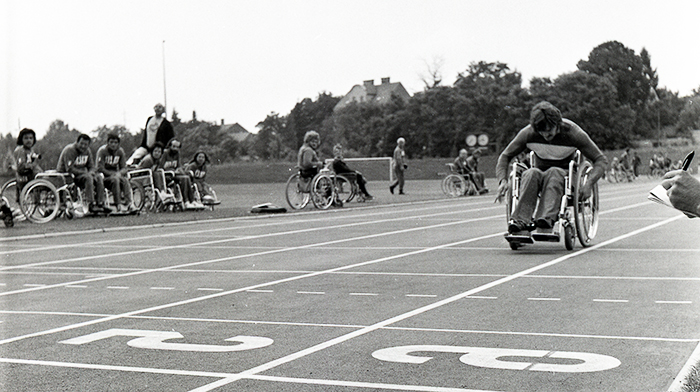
x=547 y=237
x=521 y=239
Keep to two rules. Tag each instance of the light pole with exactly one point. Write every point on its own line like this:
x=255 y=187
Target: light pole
x=165 y=95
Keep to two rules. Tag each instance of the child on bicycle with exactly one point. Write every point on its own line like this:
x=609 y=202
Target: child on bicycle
x=197 y=169
x=554 y=140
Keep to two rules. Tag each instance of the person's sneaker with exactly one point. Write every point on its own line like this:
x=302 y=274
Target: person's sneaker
x=401 y=193
x=369 y=197
x=105 y=209
x=131 y=208
x=189 y=206
x=483 y=191
x=198 y=205
x=95 y=209
x=391 y=189
x=515 y=227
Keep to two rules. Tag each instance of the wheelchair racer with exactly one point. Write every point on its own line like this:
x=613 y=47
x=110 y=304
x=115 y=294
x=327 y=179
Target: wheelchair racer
x=554 y=140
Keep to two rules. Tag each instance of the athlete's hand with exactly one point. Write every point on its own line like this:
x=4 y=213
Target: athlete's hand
x=585 y=191
x=502 y=190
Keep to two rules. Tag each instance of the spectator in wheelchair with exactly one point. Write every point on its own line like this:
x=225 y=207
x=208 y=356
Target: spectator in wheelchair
x=477 y=176
x=153 y=161
x=554 y=140
x=76 y=159
x=111 y=162
x=340 y=167
x=197 y=169
x=683 y=191
x=171 y=162
x=26 y=160
x=307 y=159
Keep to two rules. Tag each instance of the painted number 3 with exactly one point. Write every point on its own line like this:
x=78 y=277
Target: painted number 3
x=156 y=340
x=503 y=358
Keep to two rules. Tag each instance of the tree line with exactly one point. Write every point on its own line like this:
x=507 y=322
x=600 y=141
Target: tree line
x=614 y=96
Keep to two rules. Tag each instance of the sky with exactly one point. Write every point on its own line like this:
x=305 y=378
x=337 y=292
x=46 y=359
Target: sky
x=94 y=63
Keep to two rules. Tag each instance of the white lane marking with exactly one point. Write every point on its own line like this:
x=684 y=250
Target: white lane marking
x=481 y=297
x=162 y=288
x=308 y=381
x=611 y=300
x=343 y=338
x=674 y=302
x=311 y=292
x=259 y=291
x=543 y=299
x=33 y=285
x=248 y=255
x=353 y=326
x=365 y=294
x=76 y=286
x=209 y=289
x=422 y=295
x=118 y=287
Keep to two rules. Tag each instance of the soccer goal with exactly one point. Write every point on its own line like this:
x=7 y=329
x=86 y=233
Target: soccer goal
x=373 y=169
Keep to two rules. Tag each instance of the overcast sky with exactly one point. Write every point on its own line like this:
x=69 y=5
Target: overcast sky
x=92 y=63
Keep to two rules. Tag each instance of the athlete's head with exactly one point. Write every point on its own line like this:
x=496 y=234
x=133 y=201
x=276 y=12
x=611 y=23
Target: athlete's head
x=545 y=119
x=29 y=134
x=312 y=138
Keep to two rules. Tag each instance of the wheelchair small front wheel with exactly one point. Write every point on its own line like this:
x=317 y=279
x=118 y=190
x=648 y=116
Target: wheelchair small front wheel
x=295 y=193
x=569 y=237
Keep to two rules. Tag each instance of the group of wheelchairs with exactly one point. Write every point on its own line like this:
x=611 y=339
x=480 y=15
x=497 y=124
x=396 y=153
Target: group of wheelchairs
x=577 y=218
x=53 y=194
x=323 y=190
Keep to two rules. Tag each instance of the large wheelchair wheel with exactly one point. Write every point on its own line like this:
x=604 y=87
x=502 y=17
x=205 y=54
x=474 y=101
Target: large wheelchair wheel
x=40 y=201
x=138 y=195
x=294 y=193
x=585 y=211
x=322 y=191
x=454 y=185
x=10 y=194
x=345 y=189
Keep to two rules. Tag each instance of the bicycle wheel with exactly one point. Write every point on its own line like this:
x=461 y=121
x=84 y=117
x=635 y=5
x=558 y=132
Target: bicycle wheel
x=296 y=198
x=344 y=188
x=322 y=191
x=40 y=201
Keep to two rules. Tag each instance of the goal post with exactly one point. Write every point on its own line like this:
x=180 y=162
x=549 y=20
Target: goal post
x=372 y=168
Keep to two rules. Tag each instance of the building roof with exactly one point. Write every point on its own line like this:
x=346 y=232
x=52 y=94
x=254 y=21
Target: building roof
x=369 y=92
x=235 y=130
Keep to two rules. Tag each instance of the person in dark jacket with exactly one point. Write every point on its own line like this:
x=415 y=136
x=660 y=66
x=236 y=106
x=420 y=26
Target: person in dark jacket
x=158 y=129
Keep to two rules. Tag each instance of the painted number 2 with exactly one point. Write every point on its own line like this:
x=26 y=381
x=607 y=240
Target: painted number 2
x=156 y=340
x=503 y=358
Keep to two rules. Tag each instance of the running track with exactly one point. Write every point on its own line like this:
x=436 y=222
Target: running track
x=407 y=297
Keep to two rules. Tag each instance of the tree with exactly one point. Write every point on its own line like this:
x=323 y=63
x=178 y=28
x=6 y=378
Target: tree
x=310 y=115
x=57 y=137
x=128 y=141
x=689 y=118
x=270 y=142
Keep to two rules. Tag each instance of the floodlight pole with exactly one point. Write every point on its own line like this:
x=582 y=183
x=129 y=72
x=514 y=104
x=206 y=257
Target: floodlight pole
x=165 y=95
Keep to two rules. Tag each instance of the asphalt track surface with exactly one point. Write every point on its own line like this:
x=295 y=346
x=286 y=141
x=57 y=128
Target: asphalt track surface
x=423 y=296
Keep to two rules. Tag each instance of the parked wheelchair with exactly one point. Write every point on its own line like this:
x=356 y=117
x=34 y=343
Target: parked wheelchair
x=456 y=184
x=577 y=217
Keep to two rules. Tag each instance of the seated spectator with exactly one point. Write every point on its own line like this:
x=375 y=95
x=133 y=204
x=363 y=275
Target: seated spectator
x=153 y=161
x=76 y=159
x=171 y=162
x=477 y=176
x=460 y=163
x=111 y=162
x=26 y=160
x=340 y=167
x=197 y=169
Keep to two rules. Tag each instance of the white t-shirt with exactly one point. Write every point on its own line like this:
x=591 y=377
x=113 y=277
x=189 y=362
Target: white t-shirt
x=152 y=130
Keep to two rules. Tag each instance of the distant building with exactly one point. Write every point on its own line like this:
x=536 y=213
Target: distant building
x=369 y=92
x=236 y=131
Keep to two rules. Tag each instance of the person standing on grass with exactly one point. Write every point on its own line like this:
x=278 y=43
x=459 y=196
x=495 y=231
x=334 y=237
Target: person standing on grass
x=399 y=166
x=158 y=129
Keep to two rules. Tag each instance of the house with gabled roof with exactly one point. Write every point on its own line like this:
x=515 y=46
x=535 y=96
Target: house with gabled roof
x=236 y=131
x=369 y=92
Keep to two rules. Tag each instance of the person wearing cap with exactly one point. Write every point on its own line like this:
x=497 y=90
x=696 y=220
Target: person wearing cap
x=158 y=129
x=554 y=140
x=398 y=166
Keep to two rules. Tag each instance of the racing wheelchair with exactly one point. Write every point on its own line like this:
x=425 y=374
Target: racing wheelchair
x=324 y=189
x=577 y=217
x=456 y=184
